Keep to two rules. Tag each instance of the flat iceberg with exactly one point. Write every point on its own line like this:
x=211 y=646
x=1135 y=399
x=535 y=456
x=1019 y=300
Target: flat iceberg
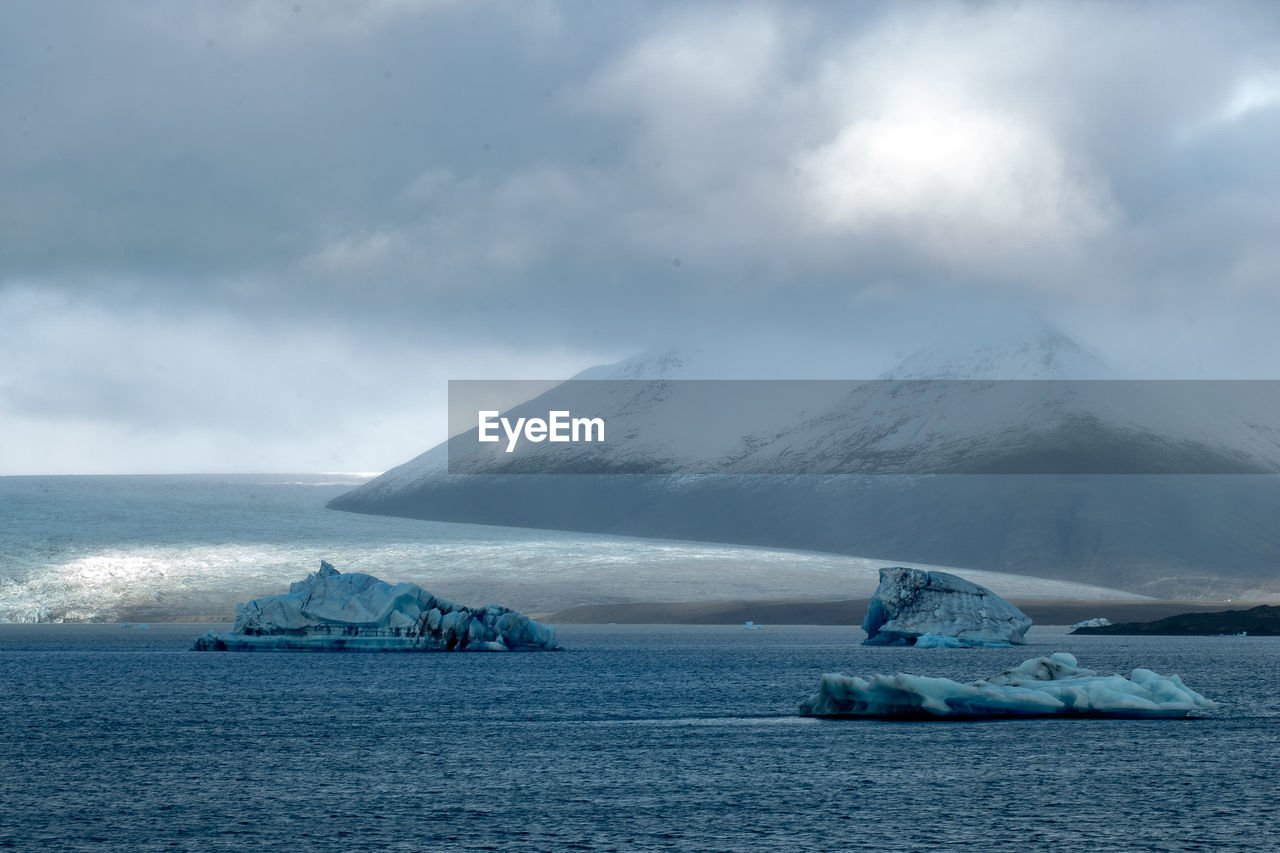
x=1099 y=622
x=332 y=611
x=1039 y=687
x=932 y=609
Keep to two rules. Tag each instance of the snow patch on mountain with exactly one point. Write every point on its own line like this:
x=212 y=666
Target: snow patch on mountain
x=1040 y=351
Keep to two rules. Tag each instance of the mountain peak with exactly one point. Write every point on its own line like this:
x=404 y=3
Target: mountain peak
x=665 y=362
x=1042 y=351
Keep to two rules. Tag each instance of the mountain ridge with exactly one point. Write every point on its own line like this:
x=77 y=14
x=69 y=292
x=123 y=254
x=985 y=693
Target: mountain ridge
x=1171 y=534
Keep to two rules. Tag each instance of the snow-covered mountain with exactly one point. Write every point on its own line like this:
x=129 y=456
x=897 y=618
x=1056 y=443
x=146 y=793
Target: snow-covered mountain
x=803 y=465
x=1035 y=351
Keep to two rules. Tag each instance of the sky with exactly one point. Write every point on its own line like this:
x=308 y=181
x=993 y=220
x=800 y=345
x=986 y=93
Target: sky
x=261 y=236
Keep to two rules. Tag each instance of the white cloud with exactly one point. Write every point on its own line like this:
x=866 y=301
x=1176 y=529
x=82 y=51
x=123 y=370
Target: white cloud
x=354 y=187
x=100 y=385
x=694 y=70
x=353 y=255
x=1251 y=94
x=770 y=137
x=702 y=93
x=967 y=186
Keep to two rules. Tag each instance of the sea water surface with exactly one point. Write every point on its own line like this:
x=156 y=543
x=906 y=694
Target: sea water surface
x=632 y=738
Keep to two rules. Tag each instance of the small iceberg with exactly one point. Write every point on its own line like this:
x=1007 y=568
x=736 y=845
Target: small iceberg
x=1040 y=687
x=1100 y=622
x=751 y=626
x=332 y=611
x=930 y=609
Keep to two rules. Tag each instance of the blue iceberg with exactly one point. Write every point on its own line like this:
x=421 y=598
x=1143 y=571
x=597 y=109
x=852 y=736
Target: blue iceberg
x=332 y=611
x=932 y=609
x=1040 y=687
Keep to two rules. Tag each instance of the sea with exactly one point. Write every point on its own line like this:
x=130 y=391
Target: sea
x=631 y=738
x=114 y=735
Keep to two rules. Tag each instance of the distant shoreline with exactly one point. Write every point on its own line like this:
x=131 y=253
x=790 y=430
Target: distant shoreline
x=791 y=611
x=775 y=611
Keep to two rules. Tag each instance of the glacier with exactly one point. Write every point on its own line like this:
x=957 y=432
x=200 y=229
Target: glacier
x=932 y=609
x=1039 y=687
x=332 y=611
x=188 y=548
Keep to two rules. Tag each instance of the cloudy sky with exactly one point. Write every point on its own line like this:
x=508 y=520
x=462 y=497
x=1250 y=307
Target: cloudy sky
x=248 y=236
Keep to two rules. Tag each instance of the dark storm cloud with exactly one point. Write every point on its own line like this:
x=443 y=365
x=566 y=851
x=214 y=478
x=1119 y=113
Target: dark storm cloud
x=233 y=227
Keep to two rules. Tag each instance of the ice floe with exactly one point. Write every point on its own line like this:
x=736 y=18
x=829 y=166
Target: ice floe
x=1040 y=687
